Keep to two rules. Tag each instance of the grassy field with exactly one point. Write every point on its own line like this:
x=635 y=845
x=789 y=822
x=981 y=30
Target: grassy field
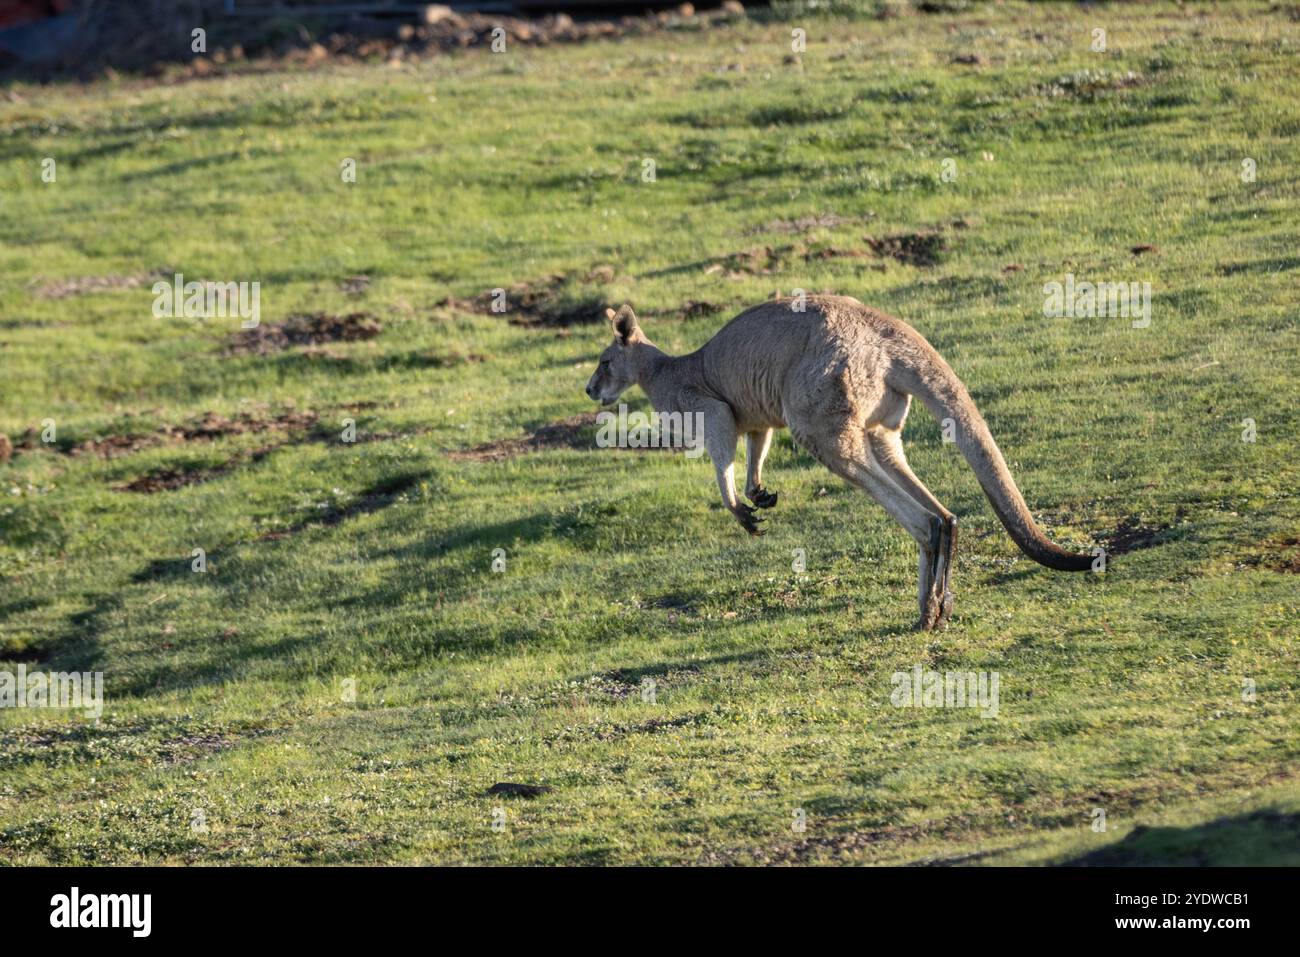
x=349 y=676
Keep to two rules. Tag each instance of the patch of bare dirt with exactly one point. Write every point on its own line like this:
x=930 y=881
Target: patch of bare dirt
x=355 y=285
x=697 y=308
x=923 y=248
x=1280 y=554
x=1088 y=85
x=193 y=747
x=762 y=261
x=556 y=301
x=835 y=252
x=209 y=427
x=82 y=285
x=305 y=329
x=168 y=478
x=806 y=224
x=564 y=434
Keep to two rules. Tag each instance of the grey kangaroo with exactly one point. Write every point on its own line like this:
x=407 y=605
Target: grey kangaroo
x=841 y=377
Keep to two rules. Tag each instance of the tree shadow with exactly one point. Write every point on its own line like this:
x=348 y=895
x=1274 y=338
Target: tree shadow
x=1268 y=837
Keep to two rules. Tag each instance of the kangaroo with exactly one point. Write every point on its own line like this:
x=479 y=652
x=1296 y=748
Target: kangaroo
x=841 y=376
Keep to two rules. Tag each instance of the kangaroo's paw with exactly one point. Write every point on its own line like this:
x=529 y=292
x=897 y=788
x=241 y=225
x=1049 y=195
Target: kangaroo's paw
x=938 y=610
x=762 y=498
x=945 y=610
x=932 y=616
x=747 y=519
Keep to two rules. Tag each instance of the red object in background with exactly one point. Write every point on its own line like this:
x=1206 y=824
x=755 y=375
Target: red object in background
x=14 y=12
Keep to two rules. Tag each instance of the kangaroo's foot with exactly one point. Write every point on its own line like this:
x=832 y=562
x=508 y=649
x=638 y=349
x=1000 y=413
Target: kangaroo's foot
x=747 y=518
x=936 y=608
x=944 y=571
x=761 y=497
x=948 y=550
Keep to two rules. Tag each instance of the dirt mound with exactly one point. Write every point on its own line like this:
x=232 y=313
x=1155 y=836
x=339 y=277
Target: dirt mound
x=921 y=248
x=83 y=285
x=762 y=261
x=564 y=434
x=210 y=427
x=305 y=329
x=556 y=301
x=835 y=252
x=924 y=248
x=167 y=478
x=355 y=285
x=807 y=224
x=1087 y=85
x=696 y=308
x=1280 y=554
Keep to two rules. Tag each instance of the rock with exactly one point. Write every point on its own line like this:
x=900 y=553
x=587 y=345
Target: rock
x=733 y=7
x=686 y=10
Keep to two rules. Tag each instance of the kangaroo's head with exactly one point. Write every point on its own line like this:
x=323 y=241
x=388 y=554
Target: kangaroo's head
x=616 y=371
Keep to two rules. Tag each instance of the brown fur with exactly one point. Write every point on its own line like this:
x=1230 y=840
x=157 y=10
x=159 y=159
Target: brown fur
x=841 y=377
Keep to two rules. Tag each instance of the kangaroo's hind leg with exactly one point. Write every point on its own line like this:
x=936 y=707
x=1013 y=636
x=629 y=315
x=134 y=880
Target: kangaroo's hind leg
x=846 y=452
x=887 y=449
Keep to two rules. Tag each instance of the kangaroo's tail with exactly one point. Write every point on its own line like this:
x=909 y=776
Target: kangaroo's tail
x=922 y=372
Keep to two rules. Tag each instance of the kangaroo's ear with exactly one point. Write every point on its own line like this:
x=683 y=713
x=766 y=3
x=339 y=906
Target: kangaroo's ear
x=624 y=322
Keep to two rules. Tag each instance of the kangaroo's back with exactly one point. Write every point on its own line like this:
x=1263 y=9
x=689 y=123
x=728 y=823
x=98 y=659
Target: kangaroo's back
x=787 y=347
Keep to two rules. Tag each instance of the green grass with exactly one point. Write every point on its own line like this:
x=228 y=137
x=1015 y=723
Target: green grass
x=225 y=691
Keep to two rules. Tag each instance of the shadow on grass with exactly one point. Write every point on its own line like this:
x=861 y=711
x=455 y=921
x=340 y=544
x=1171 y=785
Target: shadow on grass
x=1269 y=838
